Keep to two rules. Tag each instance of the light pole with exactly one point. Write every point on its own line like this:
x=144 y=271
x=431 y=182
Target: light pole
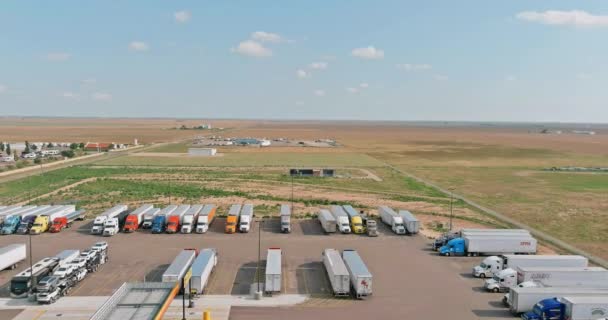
x=291 y=192
x=260 y=226
x=451 y=207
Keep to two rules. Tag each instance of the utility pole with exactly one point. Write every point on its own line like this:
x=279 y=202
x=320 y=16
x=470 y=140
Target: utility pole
x=183 y=299
x=261 y=225
x=291 y=192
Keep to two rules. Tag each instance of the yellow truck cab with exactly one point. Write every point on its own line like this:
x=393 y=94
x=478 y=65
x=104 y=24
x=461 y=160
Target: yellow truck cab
x=356 y=221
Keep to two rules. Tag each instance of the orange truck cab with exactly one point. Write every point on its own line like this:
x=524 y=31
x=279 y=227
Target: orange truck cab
x=135 y=218
x=233 y=218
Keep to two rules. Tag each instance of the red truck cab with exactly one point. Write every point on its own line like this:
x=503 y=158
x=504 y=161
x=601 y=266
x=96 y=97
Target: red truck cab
x=58 y=224
x=131 y=223
x=172 y=224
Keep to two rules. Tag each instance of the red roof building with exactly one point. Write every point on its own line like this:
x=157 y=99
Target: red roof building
x=97 y=146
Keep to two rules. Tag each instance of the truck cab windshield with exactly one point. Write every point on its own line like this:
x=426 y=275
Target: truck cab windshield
x=20 y=285
x=496 y=278
x=484 y=266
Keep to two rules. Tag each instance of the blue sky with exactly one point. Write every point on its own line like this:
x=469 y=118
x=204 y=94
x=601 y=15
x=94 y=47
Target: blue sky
x=376 y=60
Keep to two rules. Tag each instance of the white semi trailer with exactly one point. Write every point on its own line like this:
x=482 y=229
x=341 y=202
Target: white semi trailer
x=11 y=255
x=522 y=300
x=360 y=277
x=285 y=218
x=272 y=281
x=202 y=267
x=493 y=264
x=246 y=218
x=205 y=218
x=190 y=218
x=339 y=278
x=327 y=220
x=100 y=220
x=392 y=219
x=341 y=218
x=548 y=276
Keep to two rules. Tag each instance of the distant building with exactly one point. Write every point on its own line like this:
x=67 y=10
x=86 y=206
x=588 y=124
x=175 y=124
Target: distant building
x=251 y=142
x=205 y=152
x=312 y=172
x=97 y=146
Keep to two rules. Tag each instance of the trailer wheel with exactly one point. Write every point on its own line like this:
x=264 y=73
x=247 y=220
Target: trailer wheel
x=495 y=290
x=13 y=267
x=447 y=254
x=482 y=275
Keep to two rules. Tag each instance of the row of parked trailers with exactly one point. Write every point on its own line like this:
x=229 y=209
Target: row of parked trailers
x=192 y=268
x=537 y=286
x=37 y=219
x=346 y=220
x=347 y=273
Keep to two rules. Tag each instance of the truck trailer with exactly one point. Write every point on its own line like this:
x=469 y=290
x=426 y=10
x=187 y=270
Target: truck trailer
x=272 y=281
x=392 y=219
x=202 y=267
x=285 y=218
x=205 y=218
x=113 y=225
x=411 y=223
x=341 y=218
x=180 y=266
x=548 y=276
x=12 y=220
x=444 y=238
x=11 y=255
x=190 y=217
x=522 y=300
x=360 y=277
x=491 y=244
x=570 y=308
x=175 y=219
x=43 y=222
x=338 y=275
x=233 y=218
x=356 y=221
x=100 y=220
x=21 y=221
x=67 y=220
x=148 y=218
x=327 y=220
x=246 y=218
x=135 y=218
x=493 y=264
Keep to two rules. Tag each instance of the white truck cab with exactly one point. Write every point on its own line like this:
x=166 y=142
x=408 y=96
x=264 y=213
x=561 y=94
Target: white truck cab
x=488 y=267
x=502 y=281
x=110 y=227
x=245 y=223
x=343 y=224
x=98 y=225
x=202 y=225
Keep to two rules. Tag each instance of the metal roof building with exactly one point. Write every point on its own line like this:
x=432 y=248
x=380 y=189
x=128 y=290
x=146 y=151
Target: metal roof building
x=141 y=301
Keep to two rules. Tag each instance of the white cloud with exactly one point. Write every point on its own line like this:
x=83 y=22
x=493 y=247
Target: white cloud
x=352 y=90
x=138 y=46
x=3 y=88
x=583 y=76
x=578 y=18
x=182 y=16
x=58 y=56
x=364 y=85
x=68 y=95
x=302 y=74
x=319 y=93
x=266 y=37
x=414 y=67
x=318 y=65
x=253 y=49
x=510 y=78
x=368 y=53
x=101 y=96
x=440 y=77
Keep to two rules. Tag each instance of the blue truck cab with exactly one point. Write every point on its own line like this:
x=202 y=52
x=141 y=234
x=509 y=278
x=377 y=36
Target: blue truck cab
x=454 y=247
x=546 y=309
x=11 y=224
x=158 y=224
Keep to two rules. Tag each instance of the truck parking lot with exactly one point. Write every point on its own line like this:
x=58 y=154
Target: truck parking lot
x=410 y=280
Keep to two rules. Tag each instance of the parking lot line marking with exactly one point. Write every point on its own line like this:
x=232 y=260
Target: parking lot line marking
x=39 y=314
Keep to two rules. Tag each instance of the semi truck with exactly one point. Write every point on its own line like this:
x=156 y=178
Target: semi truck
x=23 y=282
x=11 y=255
x=272 y=282
x=160 y=220
x=285 y=218
x=100 y=220
x=493 y=264
x=341 y=218
x=411 y=223
x=202 y=267
x=6 y=212
x=392 y=219
x=19 y=219
x=356 y=221
x=327 y=220
x=135 y=218
x=569 y=308
x=190 y=218
x=179 y=267
x=233 y=218
x=522 y=300
x=174 y=220
x=360 y=277
x=26 y=223
x=548 y=276
x=113 y=225
x=149 y=218
x=43 y=222
x=205 y=218
x=246 y=218
x=338 y=275
x=444 y=238
x=66 y=221
x=491 y=244
x=372 y=227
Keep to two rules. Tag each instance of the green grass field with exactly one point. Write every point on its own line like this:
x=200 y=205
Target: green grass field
x=257 y=159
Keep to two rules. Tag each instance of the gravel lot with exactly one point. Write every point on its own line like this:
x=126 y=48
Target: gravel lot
x=410 y=281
